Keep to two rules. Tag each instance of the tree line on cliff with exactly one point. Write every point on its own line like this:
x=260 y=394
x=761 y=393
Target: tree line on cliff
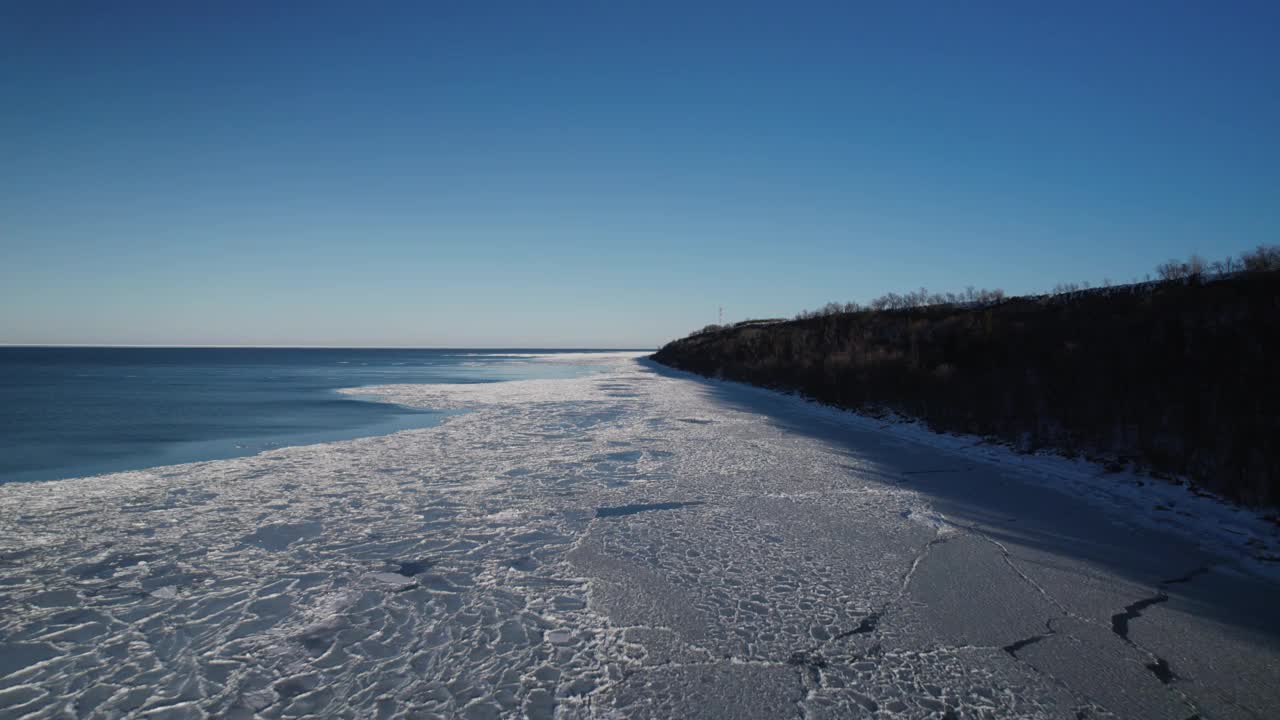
x=1175 y=375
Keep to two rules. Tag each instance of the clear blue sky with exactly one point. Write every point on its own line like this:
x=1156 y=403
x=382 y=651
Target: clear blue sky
x=605 y=174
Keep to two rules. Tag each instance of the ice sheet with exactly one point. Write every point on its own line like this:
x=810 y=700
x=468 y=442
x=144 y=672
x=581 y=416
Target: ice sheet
x=634 y=543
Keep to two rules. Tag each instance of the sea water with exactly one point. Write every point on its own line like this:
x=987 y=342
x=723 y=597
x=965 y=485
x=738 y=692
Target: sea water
x=76 y=411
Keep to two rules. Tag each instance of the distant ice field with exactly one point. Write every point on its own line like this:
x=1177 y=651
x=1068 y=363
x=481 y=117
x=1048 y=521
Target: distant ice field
x=631 y=542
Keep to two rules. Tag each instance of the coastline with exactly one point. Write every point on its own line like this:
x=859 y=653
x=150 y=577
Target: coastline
x=613 y=543
x=1249 y=535
x=80 y=412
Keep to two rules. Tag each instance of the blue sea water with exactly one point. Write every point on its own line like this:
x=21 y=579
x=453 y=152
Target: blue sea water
x=75 y=411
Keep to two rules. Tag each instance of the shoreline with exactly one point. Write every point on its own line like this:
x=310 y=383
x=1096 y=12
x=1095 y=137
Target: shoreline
x=1236 y=532
x=1131 y=494
x=312 y=412
x=620 y=542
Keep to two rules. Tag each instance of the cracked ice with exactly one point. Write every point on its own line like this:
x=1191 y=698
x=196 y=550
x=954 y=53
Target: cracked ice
x=633 y=543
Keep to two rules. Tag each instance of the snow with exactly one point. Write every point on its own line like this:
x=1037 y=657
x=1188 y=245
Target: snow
x=1217 y=525
x=758 y=555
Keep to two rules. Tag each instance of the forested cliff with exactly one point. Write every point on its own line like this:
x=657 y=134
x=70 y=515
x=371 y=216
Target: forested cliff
x=1179 y=377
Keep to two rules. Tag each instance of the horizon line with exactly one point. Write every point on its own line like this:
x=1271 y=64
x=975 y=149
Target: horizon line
x=320 y=347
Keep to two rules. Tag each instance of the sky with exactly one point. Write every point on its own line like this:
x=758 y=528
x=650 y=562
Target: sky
x=601 y=174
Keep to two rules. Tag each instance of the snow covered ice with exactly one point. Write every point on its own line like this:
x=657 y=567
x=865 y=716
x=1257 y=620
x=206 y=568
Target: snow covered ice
x=633 y=543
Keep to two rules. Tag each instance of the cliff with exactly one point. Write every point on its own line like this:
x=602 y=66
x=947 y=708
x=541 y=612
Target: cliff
x=1178 y=378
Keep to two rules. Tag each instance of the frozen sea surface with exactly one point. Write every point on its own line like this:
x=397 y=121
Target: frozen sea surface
x=635 y=543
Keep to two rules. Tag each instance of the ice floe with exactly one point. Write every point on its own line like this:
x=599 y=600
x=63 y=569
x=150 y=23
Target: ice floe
x=631 y=543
